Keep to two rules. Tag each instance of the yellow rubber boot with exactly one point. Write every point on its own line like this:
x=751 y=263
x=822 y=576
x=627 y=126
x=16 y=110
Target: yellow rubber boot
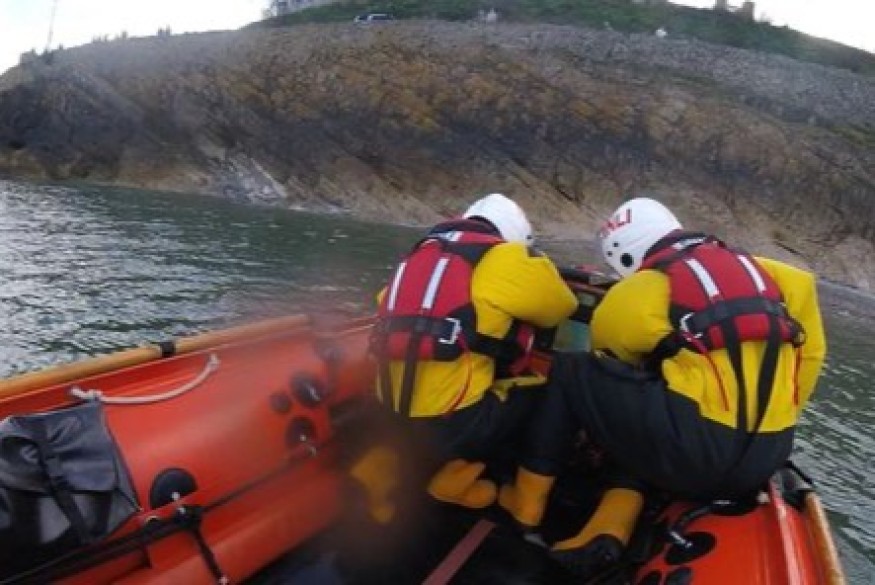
x=526 y=499
x=377 y=472
x=457 y=482
x=615 y=516
x=604 y=538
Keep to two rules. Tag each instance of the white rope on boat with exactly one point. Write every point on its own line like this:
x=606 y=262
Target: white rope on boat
x=211 y=366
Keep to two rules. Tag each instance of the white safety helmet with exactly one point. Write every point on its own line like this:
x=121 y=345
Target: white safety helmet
x=507 y=217
x=632 y=231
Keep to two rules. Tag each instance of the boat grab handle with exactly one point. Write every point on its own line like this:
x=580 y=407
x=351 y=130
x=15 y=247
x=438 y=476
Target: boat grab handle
x=211 y=366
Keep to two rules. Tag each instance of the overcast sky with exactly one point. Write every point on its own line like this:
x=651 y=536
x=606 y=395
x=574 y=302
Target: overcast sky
x=851 y=22
x=24 y=24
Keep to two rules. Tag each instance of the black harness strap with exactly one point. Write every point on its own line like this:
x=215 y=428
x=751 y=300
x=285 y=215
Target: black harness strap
x=765 y=381
x=768 y=369
x=701 y=321
x=667 y=348
x=681 y=244
x=442 y=328
x=380 y=343
x=405 y=400
x=439 y=327
x=493 y=346
x=733 y=348
x=386 y=384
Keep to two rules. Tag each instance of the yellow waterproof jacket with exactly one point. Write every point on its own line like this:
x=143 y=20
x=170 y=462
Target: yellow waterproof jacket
x=633 y=317
x=508 y=283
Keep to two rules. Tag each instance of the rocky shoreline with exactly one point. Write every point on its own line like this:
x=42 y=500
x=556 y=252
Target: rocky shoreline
x=407 y=122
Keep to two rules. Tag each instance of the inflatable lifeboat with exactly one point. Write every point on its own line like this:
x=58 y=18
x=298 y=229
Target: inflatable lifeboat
x=219 y=457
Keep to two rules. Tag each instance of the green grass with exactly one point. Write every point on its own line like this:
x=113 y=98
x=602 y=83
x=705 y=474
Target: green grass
x=703 y=24
x=857 y=135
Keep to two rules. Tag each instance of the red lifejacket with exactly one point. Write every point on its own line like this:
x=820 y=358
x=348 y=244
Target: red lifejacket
x=427 y=311
x=720 y=298
x=713 y=287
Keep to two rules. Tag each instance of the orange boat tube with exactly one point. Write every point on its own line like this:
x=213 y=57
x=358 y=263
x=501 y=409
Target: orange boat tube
x=228 y=444
x=768 y=542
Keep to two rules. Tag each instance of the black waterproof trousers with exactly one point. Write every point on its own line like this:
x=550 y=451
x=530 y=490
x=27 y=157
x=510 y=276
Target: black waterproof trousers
x=653 y=434
x=487 y=431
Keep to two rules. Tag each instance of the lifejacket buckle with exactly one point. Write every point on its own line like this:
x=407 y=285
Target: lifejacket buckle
x=454 y=334
x=684 y=326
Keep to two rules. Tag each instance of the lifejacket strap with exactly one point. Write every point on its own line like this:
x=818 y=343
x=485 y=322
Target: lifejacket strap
x=444 y=329
x=408 y=378
x=699 y=322
x=674 y=247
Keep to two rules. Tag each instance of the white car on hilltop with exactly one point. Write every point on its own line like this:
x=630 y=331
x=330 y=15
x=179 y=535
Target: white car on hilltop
x=373 y=17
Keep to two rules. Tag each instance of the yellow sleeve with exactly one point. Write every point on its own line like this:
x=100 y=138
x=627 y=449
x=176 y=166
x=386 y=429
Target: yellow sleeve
x=799 y=288
x=524 y=285
x=633 y=316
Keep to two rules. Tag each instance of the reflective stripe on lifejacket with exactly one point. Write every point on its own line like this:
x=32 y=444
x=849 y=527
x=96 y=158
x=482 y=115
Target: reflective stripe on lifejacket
x=753 y=272
x=396 y=282
x=429 y=313
x=704 y=278
x=433 y=284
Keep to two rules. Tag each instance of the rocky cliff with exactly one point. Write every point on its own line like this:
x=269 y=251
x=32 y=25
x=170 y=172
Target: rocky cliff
x=408 y=121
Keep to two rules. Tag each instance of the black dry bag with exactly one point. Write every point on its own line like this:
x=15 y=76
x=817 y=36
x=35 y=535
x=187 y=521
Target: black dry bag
x=63 y=485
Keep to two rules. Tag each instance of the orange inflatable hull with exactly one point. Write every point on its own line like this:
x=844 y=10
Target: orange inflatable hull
x=773 y=543
x=253 y=424
x=255 y=434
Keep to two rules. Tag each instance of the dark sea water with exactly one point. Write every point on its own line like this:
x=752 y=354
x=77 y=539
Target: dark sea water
x=87 y=271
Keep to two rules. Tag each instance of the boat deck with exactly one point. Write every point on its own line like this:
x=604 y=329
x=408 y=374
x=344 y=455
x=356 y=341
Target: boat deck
x=446 y=545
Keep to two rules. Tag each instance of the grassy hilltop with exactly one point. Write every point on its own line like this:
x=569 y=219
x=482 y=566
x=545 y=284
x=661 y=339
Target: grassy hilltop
x=724 y=28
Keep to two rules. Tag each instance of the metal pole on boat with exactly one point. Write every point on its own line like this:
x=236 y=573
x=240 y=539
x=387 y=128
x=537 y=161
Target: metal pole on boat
x=51 y=25
x=61 y=374
x=823 y=540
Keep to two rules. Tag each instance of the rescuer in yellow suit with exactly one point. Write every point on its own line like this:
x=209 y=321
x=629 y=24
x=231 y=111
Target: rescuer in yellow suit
x=703 y=359
x=456 y=327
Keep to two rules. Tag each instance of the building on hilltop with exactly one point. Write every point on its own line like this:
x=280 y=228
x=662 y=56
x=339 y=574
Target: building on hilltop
x=746 y=9
x=279 y=7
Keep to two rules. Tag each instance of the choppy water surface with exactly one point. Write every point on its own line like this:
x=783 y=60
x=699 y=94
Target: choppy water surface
x=86 y=271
